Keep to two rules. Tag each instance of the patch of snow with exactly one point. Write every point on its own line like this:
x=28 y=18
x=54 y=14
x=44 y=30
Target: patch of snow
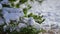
x=13 y=10
x=12 y=14
x=5 y=27
x=37 y=26
x=1 y=21
x=5 y=2
x=22 y=25
x=31 y=21
x=25 y=20
x=0 y=6
x=50 y=9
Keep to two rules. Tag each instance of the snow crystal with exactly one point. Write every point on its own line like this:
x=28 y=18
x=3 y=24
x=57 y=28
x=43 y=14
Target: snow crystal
x=12 y=14
x=17 y=29
x=4 y=2
x=37 y=26
x=13 y=10
x=22 y=25
x=1 y=21
x=5 y=27
x=31 y=21
x=25 y=20
x=0 y=6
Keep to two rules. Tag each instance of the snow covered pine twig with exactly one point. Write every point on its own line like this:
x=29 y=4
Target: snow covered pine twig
x=15 y=20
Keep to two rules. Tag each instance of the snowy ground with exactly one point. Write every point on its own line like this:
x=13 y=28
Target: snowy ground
x=50 y=9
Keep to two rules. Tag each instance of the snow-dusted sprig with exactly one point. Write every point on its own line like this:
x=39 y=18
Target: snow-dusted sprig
x=39 y=19
x=27 y=24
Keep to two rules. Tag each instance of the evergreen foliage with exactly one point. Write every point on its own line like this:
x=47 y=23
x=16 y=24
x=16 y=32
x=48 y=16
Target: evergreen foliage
x=13 y=25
